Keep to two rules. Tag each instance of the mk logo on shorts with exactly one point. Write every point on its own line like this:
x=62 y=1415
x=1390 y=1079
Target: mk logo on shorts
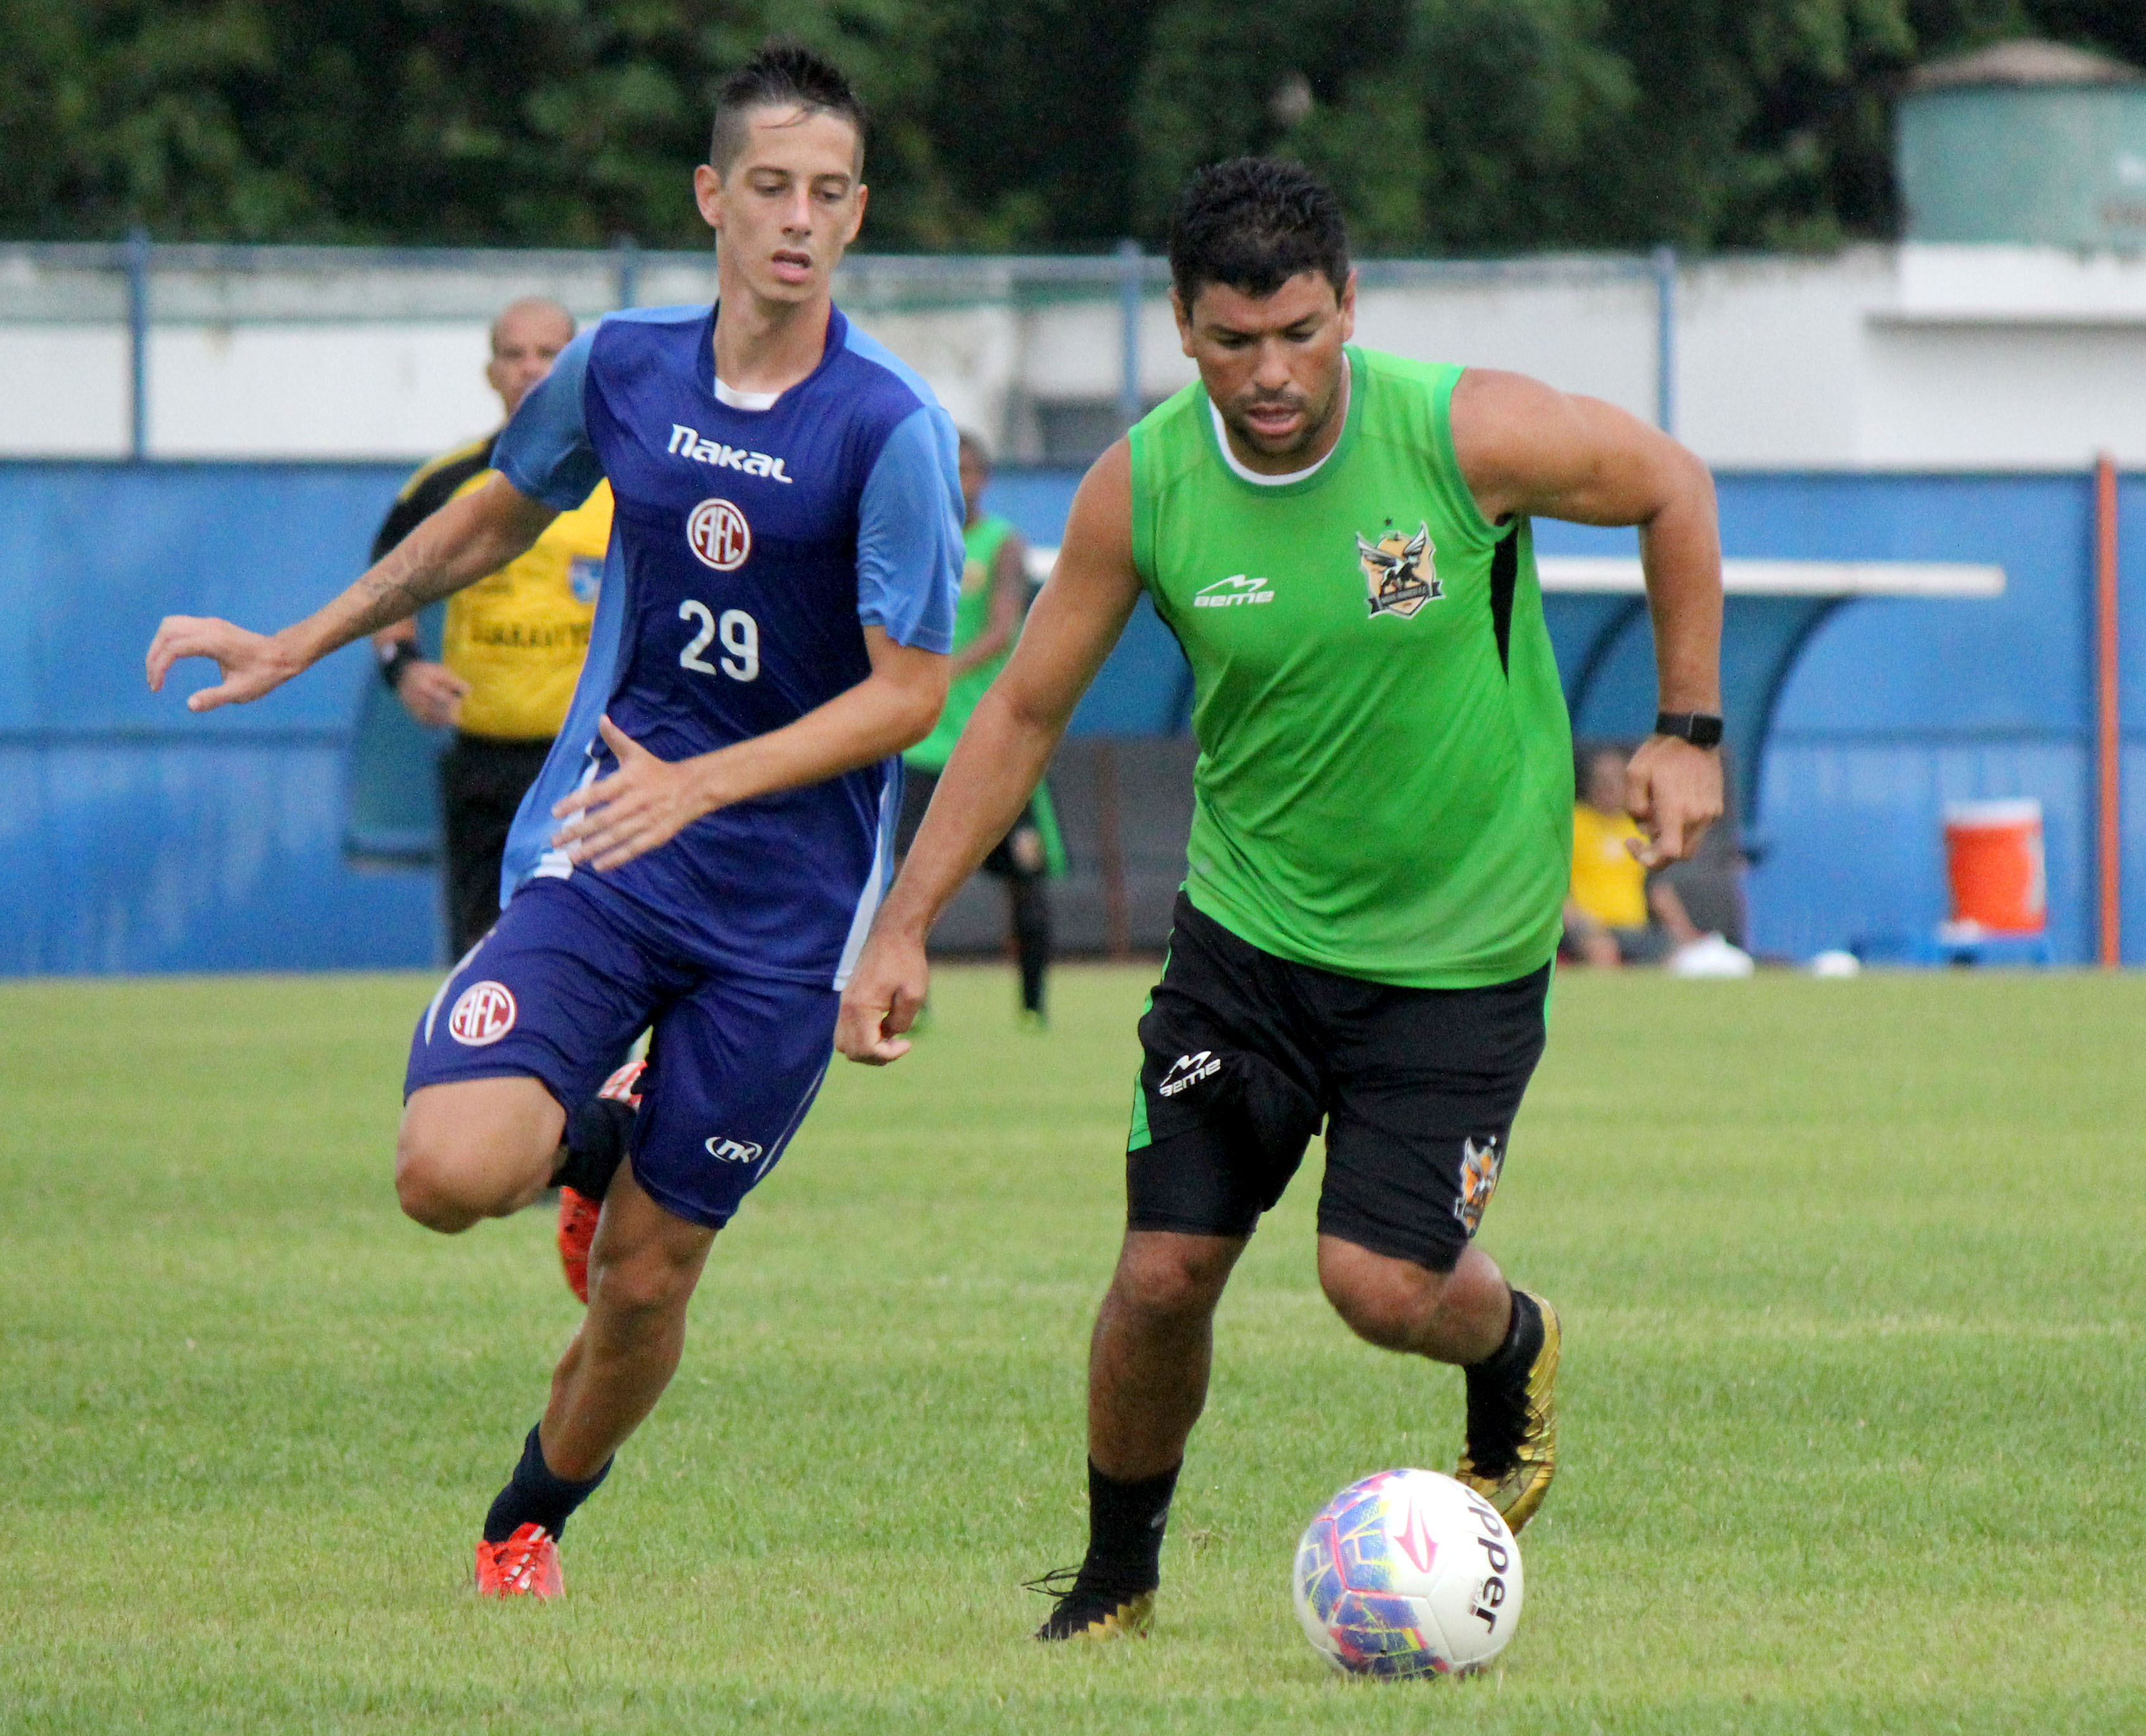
x=483 y=1014
x=1479 y=1180
x=733 y=1151
x=1187 y=1070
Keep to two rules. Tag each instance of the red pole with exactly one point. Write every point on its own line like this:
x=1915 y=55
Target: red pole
x=2108 y=744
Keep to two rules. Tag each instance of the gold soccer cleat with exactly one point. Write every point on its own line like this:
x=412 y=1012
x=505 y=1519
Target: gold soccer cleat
x=1086 y=1612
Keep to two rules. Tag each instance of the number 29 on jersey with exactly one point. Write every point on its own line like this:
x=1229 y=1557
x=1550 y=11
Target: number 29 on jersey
x=738 y=632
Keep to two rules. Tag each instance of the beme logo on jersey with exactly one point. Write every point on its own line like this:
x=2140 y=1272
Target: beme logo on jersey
x=1187 y=1070
x=718 y=534
x=483 y=1014
x=1400 y=570
x=1228 y=593
x=733 y=1151
x=691 y=443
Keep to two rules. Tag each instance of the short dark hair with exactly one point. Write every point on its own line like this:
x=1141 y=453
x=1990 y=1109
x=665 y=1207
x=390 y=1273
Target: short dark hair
x=1254 y=223
x=784 y=74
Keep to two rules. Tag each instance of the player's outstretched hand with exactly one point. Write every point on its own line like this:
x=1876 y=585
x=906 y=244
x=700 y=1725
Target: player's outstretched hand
x=250 y=664
x=646 y=802
x=1673 y=791
x=885 y=995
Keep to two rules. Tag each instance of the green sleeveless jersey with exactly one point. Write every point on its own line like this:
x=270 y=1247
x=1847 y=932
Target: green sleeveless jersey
x=1384 y=780
x=980 y=543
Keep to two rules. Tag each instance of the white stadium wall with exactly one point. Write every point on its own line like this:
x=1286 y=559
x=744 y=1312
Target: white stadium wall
x=1913 y=358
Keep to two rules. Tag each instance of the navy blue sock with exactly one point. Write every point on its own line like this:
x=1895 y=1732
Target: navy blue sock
x=536 y=1495
x=597 y=1135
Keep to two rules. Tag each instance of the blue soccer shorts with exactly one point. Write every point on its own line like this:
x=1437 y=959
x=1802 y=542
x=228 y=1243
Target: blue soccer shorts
x=565 y=981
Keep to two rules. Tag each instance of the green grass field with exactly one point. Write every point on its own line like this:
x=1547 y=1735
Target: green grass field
x=1854 y=1407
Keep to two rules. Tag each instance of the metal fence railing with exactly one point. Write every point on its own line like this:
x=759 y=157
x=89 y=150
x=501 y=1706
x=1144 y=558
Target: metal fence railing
x=142 y=284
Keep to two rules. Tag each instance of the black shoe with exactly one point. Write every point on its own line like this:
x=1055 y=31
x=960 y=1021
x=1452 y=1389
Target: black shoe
x=1092 y=1607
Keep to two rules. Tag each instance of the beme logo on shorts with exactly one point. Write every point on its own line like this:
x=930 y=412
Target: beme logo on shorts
x=483 y=1014
x=1187 y=1070
x=719 y=535
x=733 y=1151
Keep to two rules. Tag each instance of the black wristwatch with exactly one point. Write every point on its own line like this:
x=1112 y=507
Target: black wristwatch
x=1702 y=729
x=395 y=660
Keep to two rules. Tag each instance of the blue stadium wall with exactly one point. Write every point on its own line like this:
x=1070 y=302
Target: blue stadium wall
x=137 y=837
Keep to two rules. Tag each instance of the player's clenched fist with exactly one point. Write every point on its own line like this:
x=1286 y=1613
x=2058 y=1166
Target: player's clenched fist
x=249 y=663
x=1673 y=790
x=885 y=995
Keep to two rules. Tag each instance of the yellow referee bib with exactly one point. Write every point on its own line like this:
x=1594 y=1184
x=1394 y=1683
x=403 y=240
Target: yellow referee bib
x=1607 y=883
x=517 y=636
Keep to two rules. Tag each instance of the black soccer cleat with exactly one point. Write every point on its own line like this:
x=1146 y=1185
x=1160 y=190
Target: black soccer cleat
x=1093 y=1608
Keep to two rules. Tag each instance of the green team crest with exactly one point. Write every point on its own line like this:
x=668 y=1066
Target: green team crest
x=1399 y=571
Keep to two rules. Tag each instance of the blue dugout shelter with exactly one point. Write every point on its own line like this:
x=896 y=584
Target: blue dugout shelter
x=1894 y=642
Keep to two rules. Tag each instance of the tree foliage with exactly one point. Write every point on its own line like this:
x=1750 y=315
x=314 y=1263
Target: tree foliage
x=1449 y=126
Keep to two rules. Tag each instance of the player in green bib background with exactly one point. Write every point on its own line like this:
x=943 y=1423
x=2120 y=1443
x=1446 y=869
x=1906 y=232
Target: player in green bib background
x=986 y=622
x=1379 y=848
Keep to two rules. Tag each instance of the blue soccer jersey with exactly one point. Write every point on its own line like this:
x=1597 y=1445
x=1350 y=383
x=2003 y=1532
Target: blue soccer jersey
x=749 y=549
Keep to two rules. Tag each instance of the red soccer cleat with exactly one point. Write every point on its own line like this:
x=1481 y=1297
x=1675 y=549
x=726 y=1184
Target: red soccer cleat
x=527 y=1565
x=577 y=1230
x=577 y=1212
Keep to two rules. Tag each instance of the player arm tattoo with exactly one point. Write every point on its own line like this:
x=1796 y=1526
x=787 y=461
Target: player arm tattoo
x=456 y=546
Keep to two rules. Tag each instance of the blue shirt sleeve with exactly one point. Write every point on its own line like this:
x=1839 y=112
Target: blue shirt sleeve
x=909 y=534
x=544 y=450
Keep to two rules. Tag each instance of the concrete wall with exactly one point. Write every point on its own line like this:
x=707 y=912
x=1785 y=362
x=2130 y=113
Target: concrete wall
x=1914 y=358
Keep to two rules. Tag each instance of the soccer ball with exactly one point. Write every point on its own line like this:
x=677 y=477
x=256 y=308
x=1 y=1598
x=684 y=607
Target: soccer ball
x=1408 y=1573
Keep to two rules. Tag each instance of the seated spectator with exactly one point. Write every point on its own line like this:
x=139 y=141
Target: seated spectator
x=1616 y=914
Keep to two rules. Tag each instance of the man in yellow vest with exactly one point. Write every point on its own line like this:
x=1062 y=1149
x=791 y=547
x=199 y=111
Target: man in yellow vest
x=514 y=640
x=1615 y=913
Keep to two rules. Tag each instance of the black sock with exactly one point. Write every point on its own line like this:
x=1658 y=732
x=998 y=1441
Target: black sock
x=597 y=1134
x=1498 y=1390
x=1508 y=1365
x=1126 y=1522
x=535 y=1495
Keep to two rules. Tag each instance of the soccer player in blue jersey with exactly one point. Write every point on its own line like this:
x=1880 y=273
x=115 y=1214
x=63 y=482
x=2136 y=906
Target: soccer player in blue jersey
x=707 y=844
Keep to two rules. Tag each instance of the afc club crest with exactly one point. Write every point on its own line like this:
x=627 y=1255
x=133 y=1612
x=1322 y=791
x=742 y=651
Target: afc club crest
x=719 y=535
x=484 y=1013
x=1399 y=571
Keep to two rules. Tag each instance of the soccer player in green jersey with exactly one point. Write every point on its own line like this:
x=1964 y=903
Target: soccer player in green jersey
x=1381 y=834
x=986 y=622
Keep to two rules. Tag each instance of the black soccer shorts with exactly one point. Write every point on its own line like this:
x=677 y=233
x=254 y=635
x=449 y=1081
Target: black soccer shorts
x=1245 y=1055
